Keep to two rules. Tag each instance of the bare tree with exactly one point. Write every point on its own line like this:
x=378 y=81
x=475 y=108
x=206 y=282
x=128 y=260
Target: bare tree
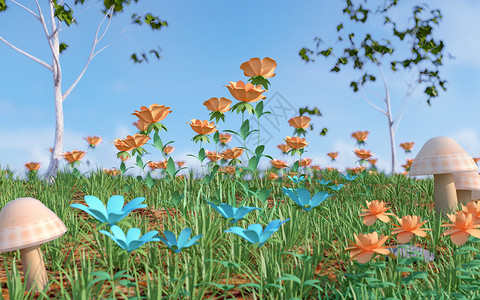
x=424 y=52
x=62 y=13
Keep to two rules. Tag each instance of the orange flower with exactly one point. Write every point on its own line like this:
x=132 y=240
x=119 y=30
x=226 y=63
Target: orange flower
x=462 y=227
x=213 y=156
x=256 y=67
x=229 y=169
x=232 y=153
x=93 y=140
x=317 y=168
x=245 y=92
x=409 y=225
x=121 y=145
x=154 y=113
x=181 y=177
x=361 y=135
x=367 y=245
x=409 y=161
x=305 y=162
x=295 y=142
x=272 y=176
x=300 y=122
x=141 y=125
x=372 y=161
x=363 y=154
x=75 y=155
x=214 y=104
x=376 y=210
x=153 y=165
x=331 y=169
x=168 y=149
x=180 y=163
x=333 y=155
x=407 y=146
x=224 y=138
x=111 y=172
x=32 y=166
x=137 y=140
x=51 y=150
x=202 y=127
x=472 y=207
x=284 y=147
x=158 y=165
x=279 y=164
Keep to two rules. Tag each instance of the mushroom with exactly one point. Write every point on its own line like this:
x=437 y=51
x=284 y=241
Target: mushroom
x=25 y=224
x=441 y=156
x=475 y=195
x=465 y=183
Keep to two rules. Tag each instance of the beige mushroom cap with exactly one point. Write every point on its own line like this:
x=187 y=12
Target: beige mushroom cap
x=441 y=155
x=26 y=222
x=467 y=180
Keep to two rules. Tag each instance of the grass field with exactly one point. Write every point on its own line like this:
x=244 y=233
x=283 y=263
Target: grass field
x=224 y=265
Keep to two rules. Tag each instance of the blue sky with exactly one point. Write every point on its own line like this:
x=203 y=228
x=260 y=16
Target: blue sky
x=202 y=49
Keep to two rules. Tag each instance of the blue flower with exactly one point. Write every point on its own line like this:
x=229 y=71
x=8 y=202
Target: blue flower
x=349 y=177
x=297 y=179
x=114 y=211
x=229 y=212
x=336 y=188
x=255 y=233
x=323 y=182
x=183 y=240
x=303 y=200
x=132 y=240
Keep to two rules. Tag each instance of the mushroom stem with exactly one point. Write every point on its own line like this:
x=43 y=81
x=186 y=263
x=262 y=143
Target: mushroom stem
x=444 y=193
x=32 y=260
x=464 y=196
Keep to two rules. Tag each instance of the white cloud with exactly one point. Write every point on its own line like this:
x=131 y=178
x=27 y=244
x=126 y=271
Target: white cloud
x=7 y=108
x=468 y=139
x=121 y=86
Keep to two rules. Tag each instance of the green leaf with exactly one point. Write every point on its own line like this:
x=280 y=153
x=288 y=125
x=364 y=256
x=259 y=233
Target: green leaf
x=170 y=167
x=102 y=274
x=157 y=141
x=252 y=163
x=139 y=162
x=259 y=150
x=3 y=6
x=201 y=154
x=244 y=129
x=120 y=274
x=263 y=194
x=216 y=137
x=259 y=109
x=176 y=197
x=420 y=275
x=290 y=277
x=63 y=47
x=149 y=181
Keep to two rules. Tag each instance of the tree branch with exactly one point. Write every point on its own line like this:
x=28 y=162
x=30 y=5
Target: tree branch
x=27 y=9
x=28 y=55
x=408 y=94
x=373 y=105
x=92 y=52
x=44 y=25
x=55 y=54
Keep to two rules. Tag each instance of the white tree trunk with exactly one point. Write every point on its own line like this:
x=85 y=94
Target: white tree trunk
x=53 y=41
x=52 y=169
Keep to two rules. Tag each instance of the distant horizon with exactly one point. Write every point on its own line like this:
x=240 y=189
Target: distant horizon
x=203 y=47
